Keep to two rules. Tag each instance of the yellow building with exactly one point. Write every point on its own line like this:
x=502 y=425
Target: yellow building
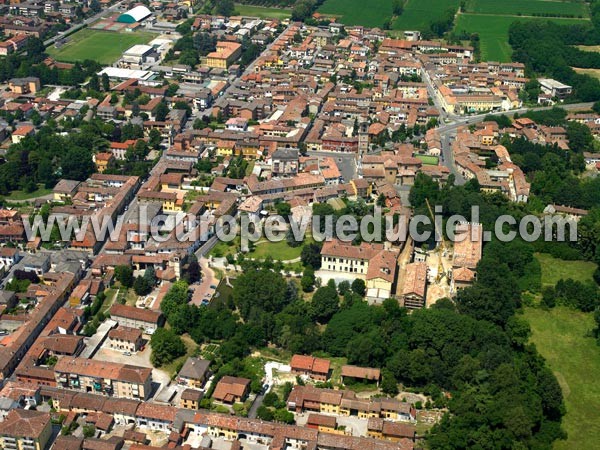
x=190 y=399
x=225 y=55
x=25 y=430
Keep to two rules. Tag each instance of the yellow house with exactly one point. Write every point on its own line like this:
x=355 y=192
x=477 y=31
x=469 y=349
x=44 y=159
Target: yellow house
x=225 y=148
x=25 y=430
x=103 y=161
x=225 y=55
x=190 y=399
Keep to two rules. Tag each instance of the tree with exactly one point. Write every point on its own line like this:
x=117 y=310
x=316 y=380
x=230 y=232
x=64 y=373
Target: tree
x=161 y=110
x=225 y=7
x=283 y=209
x=307 y=282
x=359 y=287
x=124 y=275
x=94 y=83
x=77 y=164
x=105 y=82
x=150 y=275
x=154 y=138
x=141 y=286
x=389 y=384
x=166 y=347
x=259 y=291
x=302 y=10
x=89 y=431
x=311 y=256
x=325 y=303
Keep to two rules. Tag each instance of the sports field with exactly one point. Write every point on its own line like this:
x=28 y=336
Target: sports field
x=262 y=12
x=493 y=32
x=562 y=336
x=527 y=7
x=371 y=13
x=102 y=46
x=418 y=14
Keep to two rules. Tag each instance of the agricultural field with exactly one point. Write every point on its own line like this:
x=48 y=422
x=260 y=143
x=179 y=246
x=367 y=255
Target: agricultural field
x=263 y=12
x=493 y=32
x=562 y=336
x=418 y=14
x=102 y=46
x=373 y=13
x=591 y=72
x=528 y=8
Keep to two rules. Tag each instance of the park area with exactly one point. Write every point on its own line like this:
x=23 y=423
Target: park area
x=262 y=12
x=102 y=46
x=562 y=336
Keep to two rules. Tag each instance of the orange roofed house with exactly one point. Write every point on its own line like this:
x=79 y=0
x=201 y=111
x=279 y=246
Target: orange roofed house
x=231 y=389
x=315 y=368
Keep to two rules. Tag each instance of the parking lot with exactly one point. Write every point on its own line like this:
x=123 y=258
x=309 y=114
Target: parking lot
x=142 y=359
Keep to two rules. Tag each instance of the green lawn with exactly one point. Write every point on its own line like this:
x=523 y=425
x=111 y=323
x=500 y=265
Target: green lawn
x=358 y=12
x=493 y=32
x=262 y=12
x=102 y=46
x=429 y=160
x=279 y=251
x=562 y=337
x=554 y=269
x=418 y=14
x=22 y=195
x=527 y=7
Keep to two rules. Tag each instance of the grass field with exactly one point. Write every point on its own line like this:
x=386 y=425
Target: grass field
x=561 y=335
x=358 y=12
x=527 y=7
x=418 y=14
x=22 y=195
x=554 y=269
x=429 y=160
x=262 y=12
x=493 y=32
x=102 y=46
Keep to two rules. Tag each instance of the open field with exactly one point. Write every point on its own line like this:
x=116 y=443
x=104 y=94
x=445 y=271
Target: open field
x=22 y=195
x=554 y=269
x=591 y=72
x=262 y=12
x=493 y=32
x=358 y=12
x=102 y=46
x=527 y=7
x=561 y=335
x=418 y=14
x=589 y=48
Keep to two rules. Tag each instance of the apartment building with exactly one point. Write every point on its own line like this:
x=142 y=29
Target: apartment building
x=225 y=55
x=25 y=430
x=104 y=377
